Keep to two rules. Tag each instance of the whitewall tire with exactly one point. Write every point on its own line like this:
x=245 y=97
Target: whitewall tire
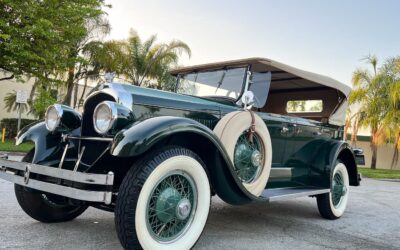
x=232 y=130
x=169 y=198
x=333 y=204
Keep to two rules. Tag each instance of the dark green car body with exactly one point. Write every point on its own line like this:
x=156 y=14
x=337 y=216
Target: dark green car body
x=303 y=153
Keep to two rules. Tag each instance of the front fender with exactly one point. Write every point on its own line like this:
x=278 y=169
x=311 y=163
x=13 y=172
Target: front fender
x=48 y=146
x=142 y=136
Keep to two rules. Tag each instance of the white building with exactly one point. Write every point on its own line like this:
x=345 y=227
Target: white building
x=8 y=86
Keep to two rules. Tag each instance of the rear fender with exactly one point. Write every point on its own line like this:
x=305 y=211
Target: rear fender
x=325 y=160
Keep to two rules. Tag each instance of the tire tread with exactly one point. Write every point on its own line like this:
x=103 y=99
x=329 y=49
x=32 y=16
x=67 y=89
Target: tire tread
x=131 y=186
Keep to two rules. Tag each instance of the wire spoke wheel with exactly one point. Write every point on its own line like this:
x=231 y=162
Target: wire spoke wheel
x=338 y=189
x=171 y=206
x=248 y=157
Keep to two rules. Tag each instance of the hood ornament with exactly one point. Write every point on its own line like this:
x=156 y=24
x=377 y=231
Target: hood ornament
x=109 y=76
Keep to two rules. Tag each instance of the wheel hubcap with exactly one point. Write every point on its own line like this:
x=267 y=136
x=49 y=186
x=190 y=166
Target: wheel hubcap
x=183 y=209
x=339 y=189
x=171 y=207
x=256 y=158
x=248 y=159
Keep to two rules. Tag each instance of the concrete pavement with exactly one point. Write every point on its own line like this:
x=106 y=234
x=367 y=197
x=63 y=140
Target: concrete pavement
x=372 y=221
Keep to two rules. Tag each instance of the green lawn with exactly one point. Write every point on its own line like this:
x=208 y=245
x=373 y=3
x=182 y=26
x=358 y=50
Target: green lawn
x=380 y=173
x=9 y=146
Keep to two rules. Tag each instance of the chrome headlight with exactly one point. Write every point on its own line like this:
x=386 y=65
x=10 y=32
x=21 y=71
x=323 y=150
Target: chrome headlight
x=110 y=117
x=103 y=118
x=62 y=118
x=53 y=117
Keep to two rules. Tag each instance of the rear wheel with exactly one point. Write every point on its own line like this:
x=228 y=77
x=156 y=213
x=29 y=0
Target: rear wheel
x=333 y=204
x=44 y=207
x=163 y=201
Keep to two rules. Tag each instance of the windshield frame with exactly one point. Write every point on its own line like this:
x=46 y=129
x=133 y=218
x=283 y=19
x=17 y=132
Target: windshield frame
x=243 y=86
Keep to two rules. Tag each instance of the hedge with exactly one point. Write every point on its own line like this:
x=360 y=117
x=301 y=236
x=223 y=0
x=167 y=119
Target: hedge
x=11 y=124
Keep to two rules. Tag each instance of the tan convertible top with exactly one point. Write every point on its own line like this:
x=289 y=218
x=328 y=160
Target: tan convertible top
x=300 y=77
x=288 y=79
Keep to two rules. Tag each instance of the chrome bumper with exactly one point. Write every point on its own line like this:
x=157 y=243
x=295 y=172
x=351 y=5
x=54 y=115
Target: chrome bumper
x=27 y=173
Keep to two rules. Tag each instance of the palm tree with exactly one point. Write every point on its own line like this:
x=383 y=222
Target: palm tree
x=95 y=28
x=392 y=119
x=148 y=60
x=371 y=91
x=353 y=122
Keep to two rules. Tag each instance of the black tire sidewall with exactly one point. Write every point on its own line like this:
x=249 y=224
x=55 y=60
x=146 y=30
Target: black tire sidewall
x=34 y=204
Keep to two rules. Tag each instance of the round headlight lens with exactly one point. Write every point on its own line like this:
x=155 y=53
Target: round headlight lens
x=102 y=118
x=53 y=117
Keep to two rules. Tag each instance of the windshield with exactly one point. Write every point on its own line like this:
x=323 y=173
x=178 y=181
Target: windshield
x=222 y=83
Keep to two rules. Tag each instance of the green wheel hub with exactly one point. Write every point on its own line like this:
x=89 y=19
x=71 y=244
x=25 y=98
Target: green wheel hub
x=338 y=190
x=248 y=157
x=171 y=206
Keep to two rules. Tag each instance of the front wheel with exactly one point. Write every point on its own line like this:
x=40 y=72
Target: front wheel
x=333 y=204
x=163 y=201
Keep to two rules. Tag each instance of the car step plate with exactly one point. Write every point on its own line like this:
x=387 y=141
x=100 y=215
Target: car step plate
x=275 y=194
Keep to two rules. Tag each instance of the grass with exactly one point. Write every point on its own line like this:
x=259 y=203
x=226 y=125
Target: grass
x=9 y=146
x=380 y=173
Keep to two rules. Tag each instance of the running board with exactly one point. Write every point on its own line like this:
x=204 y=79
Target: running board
x=276 y=194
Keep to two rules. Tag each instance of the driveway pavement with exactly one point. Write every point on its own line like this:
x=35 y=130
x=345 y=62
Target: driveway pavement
x=372 y=221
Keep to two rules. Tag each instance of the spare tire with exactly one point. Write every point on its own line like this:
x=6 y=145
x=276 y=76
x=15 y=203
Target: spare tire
x=251 y=158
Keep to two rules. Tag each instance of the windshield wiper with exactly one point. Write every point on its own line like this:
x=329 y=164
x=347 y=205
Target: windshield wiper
x=220 y=81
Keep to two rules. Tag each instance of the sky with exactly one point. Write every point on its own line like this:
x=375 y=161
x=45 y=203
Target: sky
x=325 y=37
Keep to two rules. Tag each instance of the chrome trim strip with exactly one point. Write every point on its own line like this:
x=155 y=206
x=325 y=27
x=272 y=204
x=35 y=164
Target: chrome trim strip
x=298 y=194
x=87 y=178
x=63 y=156
x=247 y=83
x=8 y=167
x=281 y=173
x=74 y=193
x=117 y=91
x=89 y=138
x=79 y=159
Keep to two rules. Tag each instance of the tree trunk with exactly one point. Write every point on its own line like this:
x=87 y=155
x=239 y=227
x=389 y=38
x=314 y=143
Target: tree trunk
x=83 y=91
x=33 y=89
x=395 y=157
x=354 y=133
x=346 y=128
x=70 y=86
x=374 y=148
x=76 y=88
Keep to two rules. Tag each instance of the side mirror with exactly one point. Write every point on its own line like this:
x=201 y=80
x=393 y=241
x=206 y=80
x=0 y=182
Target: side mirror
x=248 y=99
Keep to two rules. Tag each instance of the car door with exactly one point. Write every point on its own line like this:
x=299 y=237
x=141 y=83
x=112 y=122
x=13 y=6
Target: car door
x=280 y=175
x=299 y=152
x=302 y=149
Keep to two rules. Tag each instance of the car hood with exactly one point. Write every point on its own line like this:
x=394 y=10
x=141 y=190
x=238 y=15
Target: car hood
x=129 y=95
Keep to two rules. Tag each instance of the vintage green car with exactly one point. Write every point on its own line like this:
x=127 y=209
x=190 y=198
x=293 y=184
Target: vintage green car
x=251 y=130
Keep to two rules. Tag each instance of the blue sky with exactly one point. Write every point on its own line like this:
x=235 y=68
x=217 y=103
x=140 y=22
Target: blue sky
x=326 y=37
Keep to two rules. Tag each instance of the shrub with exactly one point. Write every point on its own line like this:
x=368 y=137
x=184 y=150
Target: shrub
x=11 y=124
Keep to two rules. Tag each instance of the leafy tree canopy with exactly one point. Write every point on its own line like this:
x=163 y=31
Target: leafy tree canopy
x=36 y=36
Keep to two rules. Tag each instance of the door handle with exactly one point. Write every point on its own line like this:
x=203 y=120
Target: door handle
x=317 y=133
x=284 y=130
